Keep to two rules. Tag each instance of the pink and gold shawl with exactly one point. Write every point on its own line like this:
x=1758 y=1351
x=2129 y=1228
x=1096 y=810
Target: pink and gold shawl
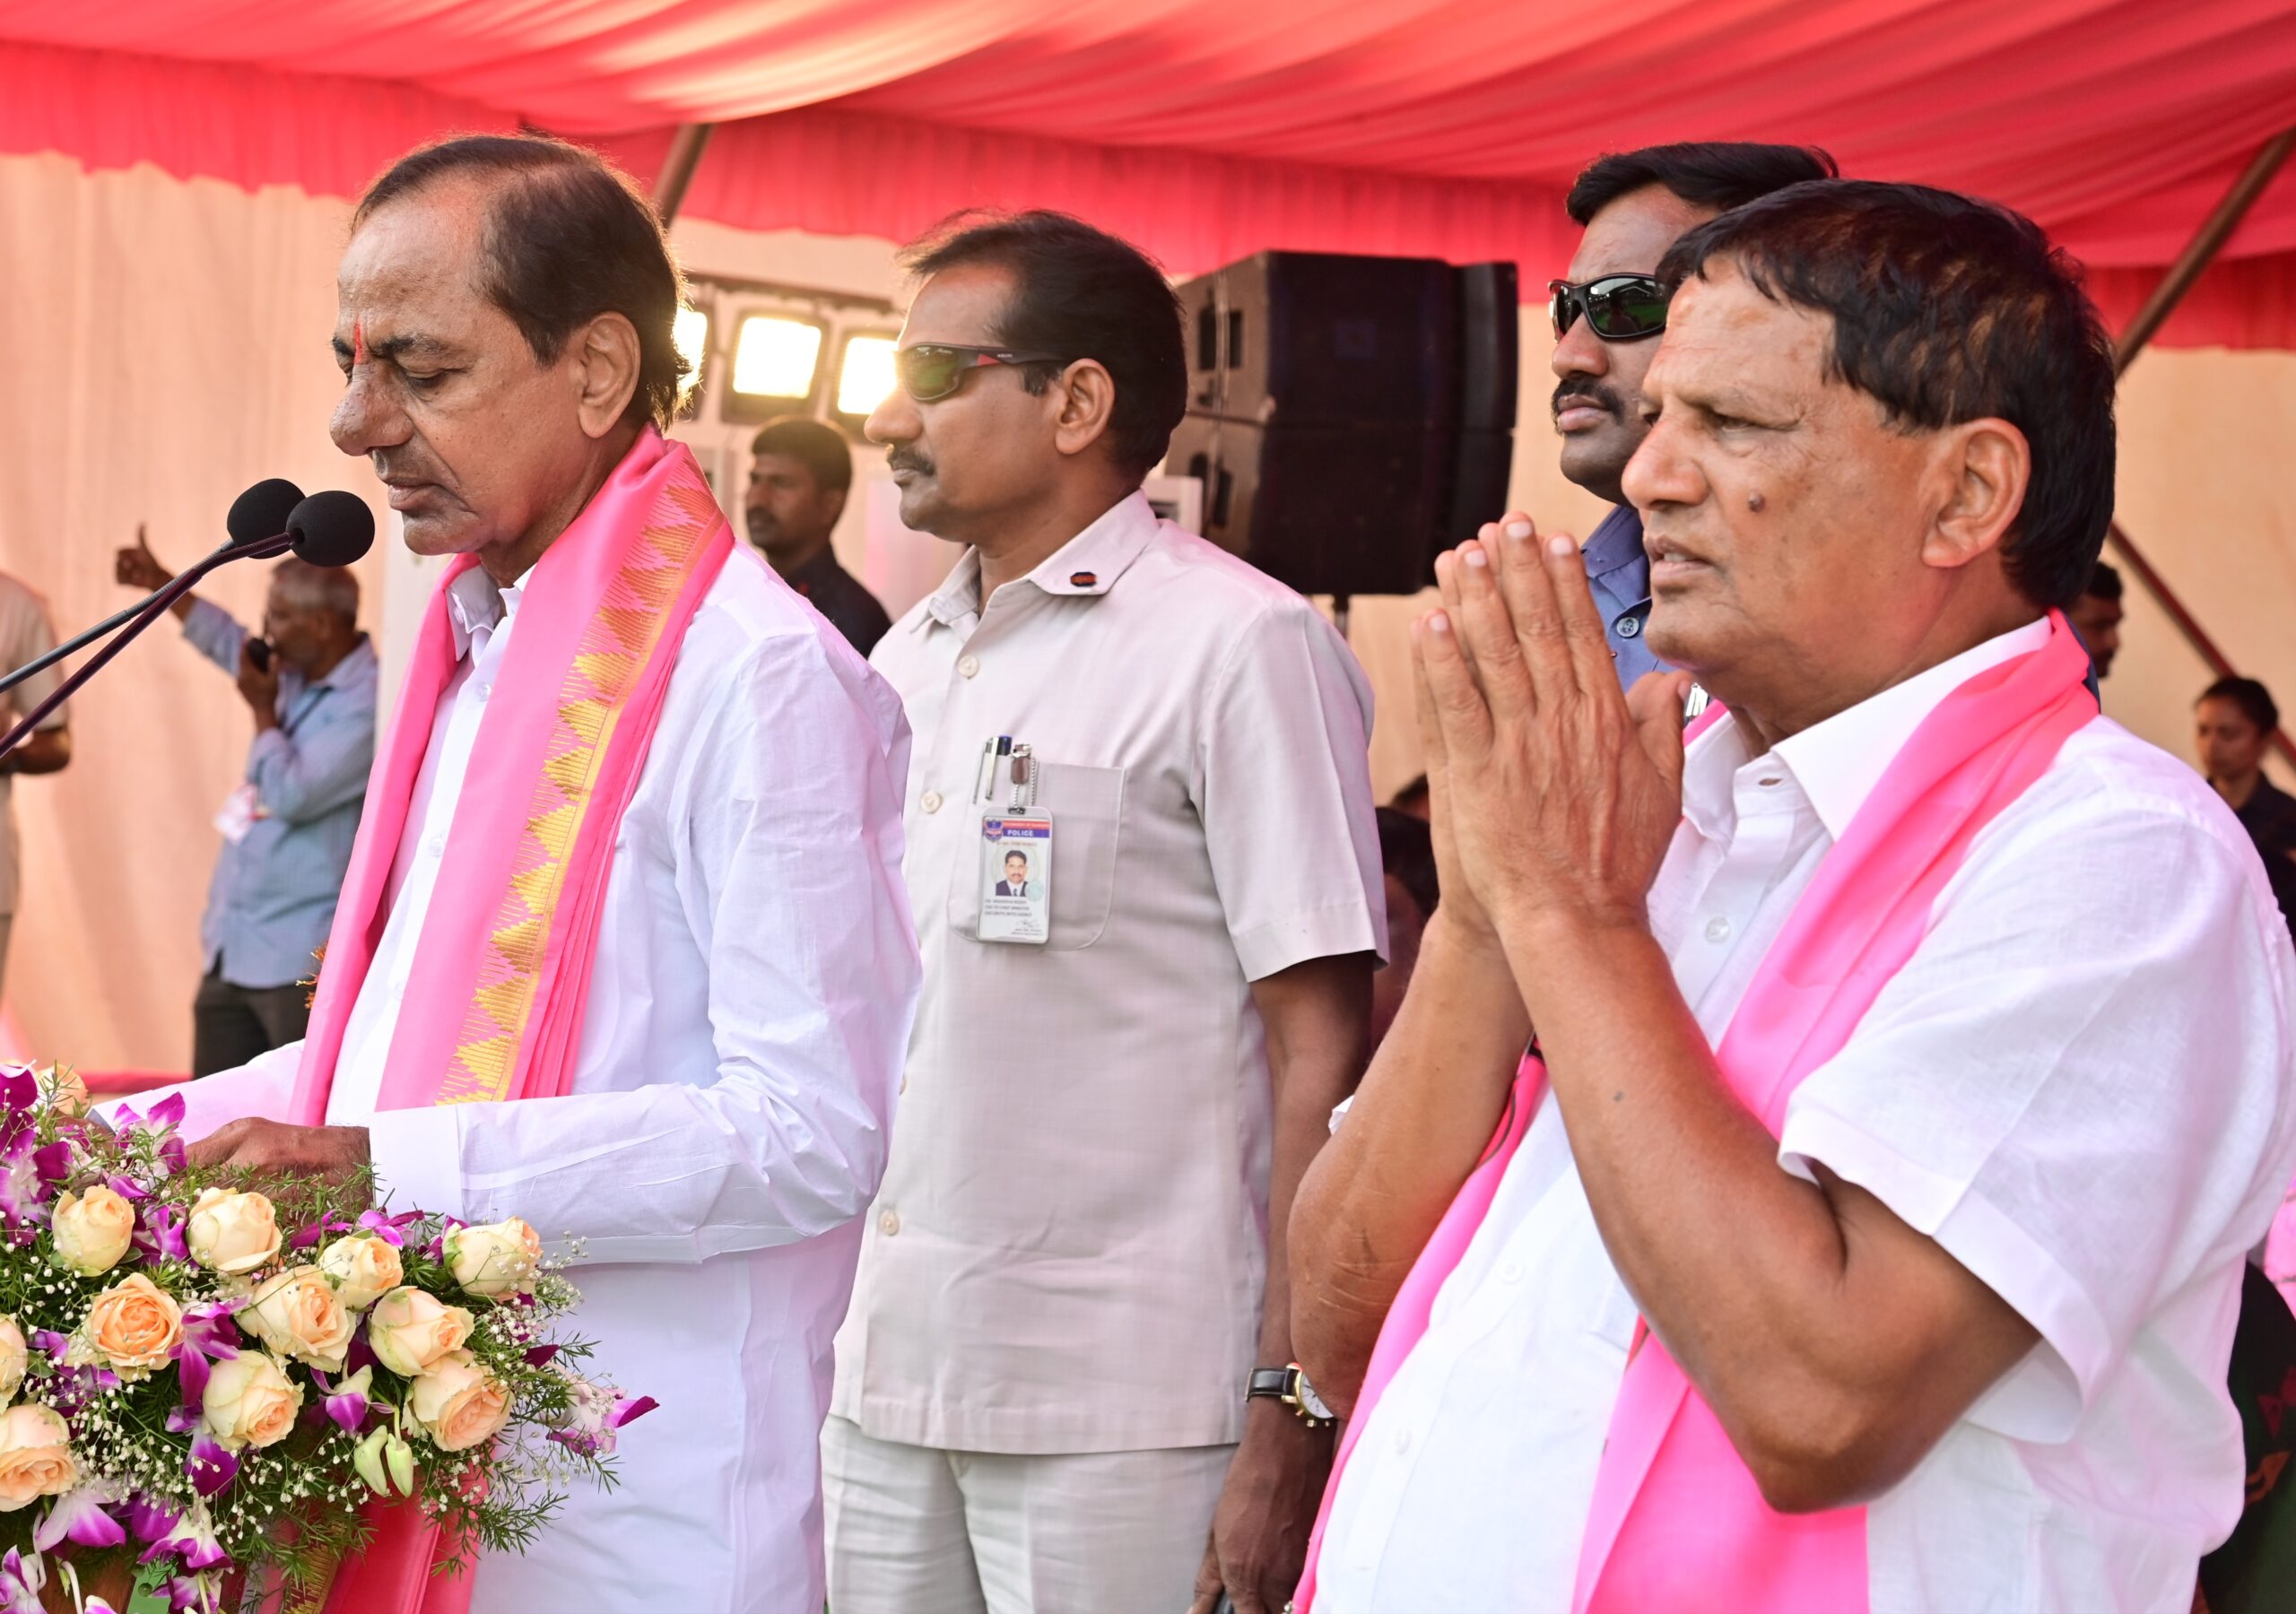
x=493 y=1007
x=1677 y=1522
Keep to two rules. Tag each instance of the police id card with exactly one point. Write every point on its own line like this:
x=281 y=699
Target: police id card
x=1015 y=878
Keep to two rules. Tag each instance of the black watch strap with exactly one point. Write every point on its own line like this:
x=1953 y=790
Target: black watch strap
x=1268 y=1383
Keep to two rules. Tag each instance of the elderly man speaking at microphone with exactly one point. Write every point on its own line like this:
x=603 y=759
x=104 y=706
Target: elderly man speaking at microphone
x=623 y=947
x=1913 y=1065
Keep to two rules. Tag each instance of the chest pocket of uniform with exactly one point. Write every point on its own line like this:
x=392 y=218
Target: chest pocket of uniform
x=1086 y=805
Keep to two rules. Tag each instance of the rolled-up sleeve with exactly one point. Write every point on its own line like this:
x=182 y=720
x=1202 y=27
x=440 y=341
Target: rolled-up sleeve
x=215 y=634
x=787 y=843
x=1285 y=793
x=2077 y=1087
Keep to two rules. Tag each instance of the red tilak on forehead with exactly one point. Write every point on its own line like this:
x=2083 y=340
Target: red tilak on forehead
x=358 y=341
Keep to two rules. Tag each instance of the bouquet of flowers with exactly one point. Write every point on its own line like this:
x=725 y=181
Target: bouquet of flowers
x=202 y=1380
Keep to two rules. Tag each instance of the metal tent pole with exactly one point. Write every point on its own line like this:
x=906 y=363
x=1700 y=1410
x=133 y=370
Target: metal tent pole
x=2199 y=252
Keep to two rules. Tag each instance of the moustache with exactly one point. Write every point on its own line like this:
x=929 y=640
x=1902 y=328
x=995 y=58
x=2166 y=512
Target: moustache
x=1585 y=389
x=903 y=458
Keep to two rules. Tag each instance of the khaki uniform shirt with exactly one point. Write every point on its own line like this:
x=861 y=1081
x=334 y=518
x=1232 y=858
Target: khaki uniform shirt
x=24 y=633
x=1069 y=1250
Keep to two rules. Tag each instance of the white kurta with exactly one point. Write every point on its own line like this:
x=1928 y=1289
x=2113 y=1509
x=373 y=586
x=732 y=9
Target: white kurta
x=2080 y=1086
x=755 y=976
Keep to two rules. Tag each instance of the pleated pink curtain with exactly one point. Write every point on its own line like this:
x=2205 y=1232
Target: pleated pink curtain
x=1204 y=129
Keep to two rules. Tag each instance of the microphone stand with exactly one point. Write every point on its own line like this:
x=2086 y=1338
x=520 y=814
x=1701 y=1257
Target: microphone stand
x=143 y=616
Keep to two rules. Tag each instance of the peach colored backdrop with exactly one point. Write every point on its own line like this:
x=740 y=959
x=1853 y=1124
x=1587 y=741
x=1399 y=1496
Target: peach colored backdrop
x=167 y=344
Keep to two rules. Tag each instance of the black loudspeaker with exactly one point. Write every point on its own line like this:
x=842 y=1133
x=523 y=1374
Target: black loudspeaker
x=1327 y=509
x=1350 y=417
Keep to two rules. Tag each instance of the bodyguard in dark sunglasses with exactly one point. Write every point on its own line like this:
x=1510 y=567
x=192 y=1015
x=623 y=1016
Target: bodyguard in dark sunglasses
x=1608 y=314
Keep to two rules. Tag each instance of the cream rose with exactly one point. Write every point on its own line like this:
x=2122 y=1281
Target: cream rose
x=459 y=1404
x=233 y=1233
x=298 y=1315
x=13 y=1357
x=409 y=1330
x=250 y=1402
x=135 y=1325
x=497 y=1259
x=35 y=1456
x=92 y=1230
x=364 y=1269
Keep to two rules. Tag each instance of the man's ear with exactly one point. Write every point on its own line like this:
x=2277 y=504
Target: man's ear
x=833 y=501
x=1085 y=394
x=604 y=354
x=1987 y=467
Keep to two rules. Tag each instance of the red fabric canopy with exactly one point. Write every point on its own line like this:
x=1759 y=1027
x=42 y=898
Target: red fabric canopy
x=1205 y=129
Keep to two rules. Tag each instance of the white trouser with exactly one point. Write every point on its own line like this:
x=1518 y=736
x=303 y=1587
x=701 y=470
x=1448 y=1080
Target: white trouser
x=914 y=1529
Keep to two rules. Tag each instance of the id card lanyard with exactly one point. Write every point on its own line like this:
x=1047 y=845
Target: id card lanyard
x=1015 y=853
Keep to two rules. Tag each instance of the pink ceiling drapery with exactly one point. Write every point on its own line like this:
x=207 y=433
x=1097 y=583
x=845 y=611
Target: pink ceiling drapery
x=1205 y=128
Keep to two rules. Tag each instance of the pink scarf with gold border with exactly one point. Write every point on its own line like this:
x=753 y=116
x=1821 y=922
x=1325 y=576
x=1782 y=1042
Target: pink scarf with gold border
x=493 y=1007
x=1677 y=1522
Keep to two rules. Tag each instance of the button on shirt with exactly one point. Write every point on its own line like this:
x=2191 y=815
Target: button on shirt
x=752 y=993
x=1619 y=573
x=1070 y=1247
x=2079 y=1086
x=271 y=896
x=25 y=635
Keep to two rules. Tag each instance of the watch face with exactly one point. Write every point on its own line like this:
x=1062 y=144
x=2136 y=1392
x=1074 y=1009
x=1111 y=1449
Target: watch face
x=1308 y=1398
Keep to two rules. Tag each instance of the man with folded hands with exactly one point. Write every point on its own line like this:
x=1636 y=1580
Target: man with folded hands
x=1913 y=1068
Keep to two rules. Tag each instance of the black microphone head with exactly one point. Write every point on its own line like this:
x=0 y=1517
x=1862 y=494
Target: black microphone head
x=262 y=511
x=331 y=528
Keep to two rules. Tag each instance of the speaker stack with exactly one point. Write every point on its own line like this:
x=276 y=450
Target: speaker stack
x=1350 y=417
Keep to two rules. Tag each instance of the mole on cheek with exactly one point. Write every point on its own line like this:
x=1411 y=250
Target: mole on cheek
x=1756 y=502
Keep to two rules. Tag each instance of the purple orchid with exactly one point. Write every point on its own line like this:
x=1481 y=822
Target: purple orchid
x=211 y=1465
x=21 y=1581
x=82 y=1514
x=595 y=1415
x=150 y=1521
x=191 y=1592
x=160 y=1233
x=541 y=1355
x=21 y=1183
x=386 y=1227
x=128 y=1188
x=188 y=1536
x=209 y=1336
x=346 y=1399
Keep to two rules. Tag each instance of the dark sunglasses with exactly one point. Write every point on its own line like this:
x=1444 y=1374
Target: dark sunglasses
x=1619 y=308
x=931 y=370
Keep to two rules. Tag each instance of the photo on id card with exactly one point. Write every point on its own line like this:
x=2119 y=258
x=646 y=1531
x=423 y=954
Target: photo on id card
x=1015 y=878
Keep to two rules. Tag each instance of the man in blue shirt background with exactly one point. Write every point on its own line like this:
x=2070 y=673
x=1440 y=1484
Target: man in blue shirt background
x=310 y=684
x=1632 y=206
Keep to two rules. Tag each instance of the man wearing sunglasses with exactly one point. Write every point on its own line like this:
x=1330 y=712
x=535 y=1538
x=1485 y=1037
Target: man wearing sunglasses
x=1607 y=316
x=1074 y=1273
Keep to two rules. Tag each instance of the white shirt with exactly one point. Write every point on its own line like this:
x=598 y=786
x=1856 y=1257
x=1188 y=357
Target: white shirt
x=1070 y=1249
x=755 y=980
x=2080 y=1086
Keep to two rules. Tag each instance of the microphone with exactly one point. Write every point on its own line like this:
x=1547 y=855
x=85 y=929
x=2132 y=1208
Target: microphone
x=256 y=515
x=328 y=528
x=262 y=511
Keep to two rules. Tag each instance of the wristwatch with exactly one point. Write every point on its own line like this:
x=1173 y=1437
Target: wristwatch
x=1290 y=1386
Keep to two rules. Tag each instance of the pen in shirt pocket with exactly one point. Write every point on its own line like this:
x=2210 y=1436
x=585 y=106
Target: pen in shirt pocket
x=985 y=777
